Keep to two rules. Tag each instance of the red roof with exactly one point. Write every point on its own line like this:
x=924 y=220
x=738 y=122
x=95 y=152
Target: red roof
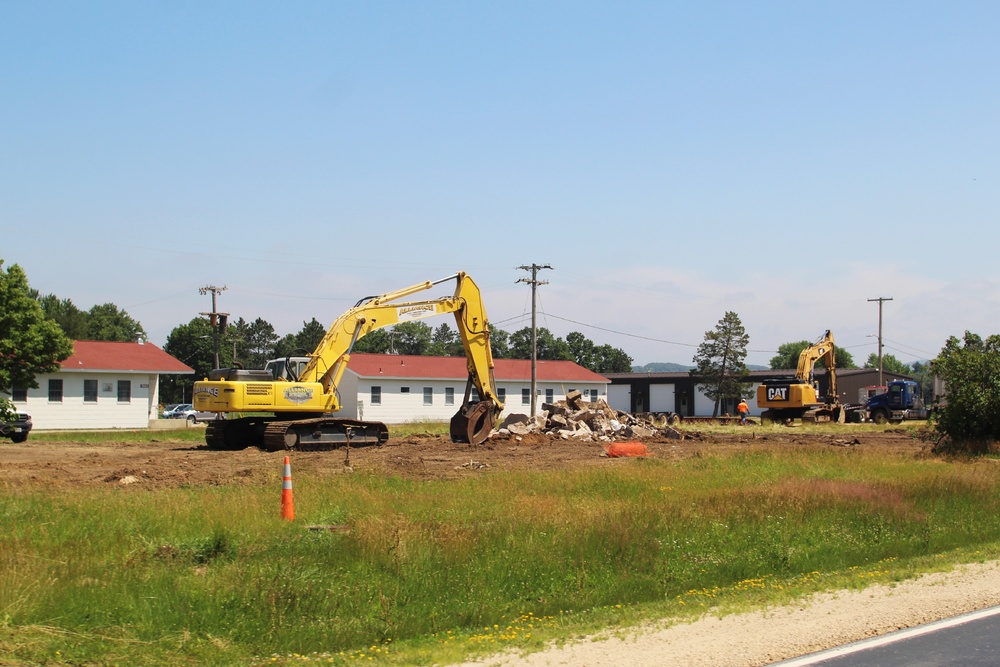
x=454 y=368
x=94 y=355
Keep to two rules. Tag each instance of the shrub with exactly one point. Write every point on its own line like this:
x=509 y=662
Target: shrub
x=970 y=368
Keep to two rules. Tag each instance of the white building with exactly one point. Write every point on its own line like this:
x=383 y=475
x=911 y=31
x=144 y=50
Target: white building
x=116 y=385
x=101 y=385
x=400 y=388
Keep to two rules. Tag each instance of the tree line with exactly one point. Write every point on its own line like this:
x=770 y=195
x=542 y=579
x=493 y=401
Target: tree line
x=37 y=331
x=252 y=344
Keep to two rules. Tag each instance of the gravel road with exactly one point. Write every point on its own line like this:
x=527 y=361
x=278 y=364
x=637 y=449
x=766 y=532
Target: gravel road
x=758 y=638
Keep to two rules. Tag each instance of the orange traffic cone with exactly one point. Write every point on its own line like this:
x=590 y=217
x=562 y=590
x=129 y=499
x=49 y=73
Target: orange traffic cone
x=287 y=503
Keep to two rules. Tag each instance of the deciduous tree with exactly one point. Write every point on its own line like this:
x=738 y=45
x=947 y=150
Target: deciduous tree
x=30 y=344
x=191 y=344
x=376 y=342
x=548 y=346
x=788 y=356
x=889 y=363
x=608 y=359
x=500 y=343
x=107 y=322
x=411 y=337
x=970 y=368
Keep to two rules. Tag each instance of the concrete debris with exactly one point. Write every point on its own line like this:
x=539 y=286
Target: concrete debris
x=577 y=419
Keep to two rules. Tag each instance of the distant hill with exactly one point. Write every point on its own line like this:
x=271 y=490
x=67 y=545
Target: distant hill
x=661 y=367
x=669 y=367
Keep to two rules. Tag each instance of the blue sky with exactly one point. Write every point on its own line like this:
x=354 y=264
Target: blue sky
x=671 y=161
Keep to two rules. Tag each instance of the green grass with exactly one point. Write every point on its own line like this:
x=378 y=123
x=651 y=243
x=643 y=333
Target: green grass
x=418 y=572
x=183 y=434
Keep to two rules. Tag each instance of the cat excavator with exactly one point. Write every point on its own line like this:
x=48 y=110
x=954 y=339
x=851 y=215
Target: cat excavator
x=294 y=410
x=788 y=398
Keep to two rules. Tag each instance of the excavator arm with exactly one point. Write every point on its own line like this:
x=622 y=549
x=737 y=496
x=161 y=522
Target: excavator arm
x=330 y=358
x=823 y=349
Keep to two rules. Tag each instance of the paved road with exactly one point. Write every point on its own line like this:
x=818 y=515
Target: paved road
x=969 y=640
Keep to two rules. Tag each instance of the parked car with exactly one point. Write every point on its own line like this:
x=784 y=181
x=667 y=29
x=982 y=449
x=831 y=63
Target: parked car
x=193 y=416
x=168 y=411
x=18 y=429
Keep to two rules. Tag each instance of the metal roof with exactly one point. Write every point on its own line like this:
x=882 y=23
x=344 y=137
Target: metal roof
x=92 y=356
x=455 y=368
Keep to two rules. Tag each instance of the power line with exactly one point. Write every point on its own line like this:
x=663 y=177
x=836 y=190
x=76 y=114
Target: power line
x=630 y=335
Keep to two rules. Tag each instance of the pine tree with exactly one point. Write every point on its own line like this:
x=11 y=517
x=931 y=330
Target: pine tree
x=719 y=363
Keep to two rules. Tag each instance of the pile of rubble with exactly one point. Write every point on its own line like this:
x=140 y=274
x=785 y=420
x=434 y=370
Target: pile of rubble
x=577 y=419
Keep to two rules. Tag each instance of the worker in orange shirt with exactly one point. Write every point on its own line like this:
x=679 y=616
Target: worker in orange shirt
x=744 y=411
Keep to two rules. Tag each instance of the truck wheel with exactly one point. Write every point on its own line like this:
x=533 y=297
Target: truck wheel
x=880 y=417
x=19 y=437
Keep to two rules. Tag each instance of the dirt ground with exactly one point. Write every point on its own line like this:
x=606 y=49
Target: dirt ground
x=170 y=462
x=745 y=640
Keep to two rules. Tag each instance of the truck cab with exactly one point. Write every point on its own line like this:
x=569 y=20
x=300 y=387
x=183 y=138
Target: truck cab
x=900 y=401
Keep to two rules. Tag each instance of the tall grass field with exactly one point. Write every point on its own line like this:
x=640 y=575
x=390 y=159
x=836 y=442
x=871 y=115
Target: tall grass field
x=384 y=570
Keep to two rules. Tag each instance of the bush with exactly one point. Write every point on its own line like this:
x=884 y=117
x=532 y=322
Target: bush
x=970 y=368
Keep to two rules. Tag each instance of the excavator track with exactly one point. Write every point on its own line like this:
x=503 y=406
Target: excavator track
x=303 y=434
x=237 y=433
x=322 y=433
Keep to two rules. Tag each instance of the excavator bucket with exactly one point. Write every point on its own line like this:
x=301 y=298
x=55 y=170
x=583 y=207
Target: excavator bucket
x=473 y=423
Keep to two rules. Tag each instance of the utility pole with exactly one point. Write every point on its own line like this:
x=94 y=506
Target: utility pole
x=880 y=300
x=217 y=319
x=534 y=282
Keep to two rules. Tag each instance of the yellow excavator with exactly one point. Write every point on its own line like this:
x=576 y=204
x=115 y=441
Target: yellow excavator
x=294 y=410
x=789 y=398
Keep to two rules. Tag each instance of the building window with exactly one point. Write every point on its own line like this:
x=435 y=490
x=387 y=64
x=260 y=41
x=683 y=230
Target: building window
x=90 y=391
x=19 y=394
x=449 y=396
x=376 y=395
x=404 y=390
x=502 y=394
x=124 y=391
x=55 y=391
x=549 y=395
x=525 y=397
x=428 y=395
